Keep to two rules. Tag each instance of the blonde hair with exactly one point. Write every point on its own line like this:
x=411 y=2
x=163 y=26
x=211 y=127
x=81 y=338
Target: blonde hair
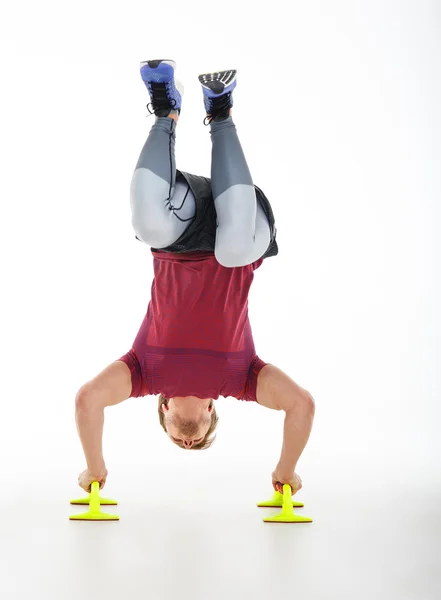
x=209 y=436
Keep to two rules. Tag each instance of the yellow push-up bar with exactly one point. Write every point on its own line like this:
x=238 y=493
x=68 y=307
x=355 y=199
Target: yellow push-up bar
x=95 y=502
x=286 y=502
x=279 y=500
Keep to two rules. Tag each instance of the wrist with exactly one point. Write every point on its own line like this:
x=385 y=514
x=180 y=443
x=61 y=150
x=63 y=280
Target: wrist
x=285 y=468
x=97 y=468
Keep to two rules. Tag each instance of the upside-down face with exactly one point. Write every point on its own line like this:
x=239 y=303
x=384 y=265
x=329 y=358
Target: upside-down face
x=189 y=421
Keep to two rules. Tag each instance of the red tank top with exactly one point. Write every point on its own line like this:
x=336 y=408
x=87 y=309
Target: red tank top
x=196 y=338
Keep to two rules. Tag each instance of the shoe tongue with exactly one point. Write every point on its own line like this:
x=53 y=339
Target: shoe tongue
x=222 y=102
x=159 y=92
x=157 y=86
x=160 y=100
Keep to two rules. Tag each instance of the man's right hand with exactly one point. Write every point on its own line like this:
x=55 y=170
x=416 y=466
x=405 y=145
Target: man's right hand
x=87 y=477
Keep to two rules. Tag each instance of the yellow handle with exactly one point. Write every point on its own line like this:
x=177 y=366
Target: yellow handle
x=287 y=495
x=282 y=487
x=94 y=497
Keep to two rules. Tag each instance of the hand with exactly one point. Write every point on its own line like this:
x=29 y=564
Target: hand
x=86 y=478
x=280 y=478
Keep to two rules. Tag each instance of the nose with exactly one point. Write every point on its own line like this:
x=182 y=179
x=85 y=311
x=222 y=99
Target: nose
x=188 y=443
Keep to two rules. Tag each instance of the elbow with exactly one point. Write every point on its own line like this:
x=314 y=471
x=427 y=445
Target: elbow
x=309 y=403
x=84 y=399
x=304 y=403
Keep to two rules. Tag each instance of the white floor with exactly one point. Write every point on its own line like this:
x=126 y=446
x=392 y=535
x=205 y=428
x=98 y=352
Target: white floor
x=368 y=540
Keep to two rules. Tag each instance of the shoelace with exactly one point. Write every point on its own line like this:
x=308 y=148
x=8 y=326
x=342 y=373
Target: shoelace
x=160 y=100
x=220 y=107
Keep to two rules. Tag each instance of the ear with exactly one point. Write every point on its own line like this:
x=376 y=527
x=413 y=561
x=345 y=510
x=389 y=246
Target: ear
x=164 y=408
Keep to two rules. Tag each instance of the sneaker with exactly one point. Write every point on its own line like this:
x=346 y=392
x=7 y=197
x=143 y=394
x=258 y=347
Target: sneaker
x=165 y=91
x=218 y=88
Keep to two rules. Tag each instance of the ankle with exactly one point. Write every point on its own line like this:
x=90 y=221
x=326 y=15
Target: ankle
x=174 y=114
x=231 y=110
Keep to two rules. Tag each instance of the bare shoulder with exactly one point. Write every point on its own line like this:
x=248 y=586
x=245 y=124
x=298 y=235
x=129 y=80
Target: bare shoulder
x=277 y=390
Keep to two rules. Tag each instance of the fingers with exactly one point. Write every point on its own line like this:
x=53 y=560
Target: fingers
x=85 y=481
x=278 y=486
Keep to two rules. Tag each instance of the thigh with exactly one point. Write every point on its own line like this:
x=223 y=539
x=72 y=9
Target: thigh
x=242 y=235
x=112 y=386
x=262 y=238
x=157 y=219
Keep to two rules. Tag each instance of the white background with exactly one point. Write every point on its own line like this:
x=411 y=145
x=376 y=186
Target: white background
x=338 y=111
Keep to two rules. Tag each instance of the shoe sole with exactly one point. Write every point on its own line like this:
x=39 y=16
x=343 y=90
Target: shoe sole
x=161 y=71
x=157 y=71
x=215 y=84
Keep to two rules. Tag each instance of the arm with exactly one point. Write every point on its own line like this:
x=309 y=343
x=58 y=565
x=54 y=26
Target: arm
x=90 y=424
x=277 y=391
x=110 y=387
x=296 y=431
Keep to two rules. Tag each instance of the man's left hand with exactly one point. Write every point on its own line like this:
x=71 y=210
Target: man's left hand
x=279 y=479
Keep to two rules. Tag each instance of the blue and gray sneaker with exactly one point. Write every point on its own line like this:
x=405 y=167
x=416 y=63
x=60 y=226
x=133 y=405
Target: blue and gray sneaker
x=165 y=91
x=218 y=88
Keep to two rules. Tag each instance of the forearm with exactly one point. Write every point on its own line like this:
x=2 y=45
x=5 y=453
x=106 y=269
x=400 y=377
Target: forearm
x=90 y=424
x=296 y=431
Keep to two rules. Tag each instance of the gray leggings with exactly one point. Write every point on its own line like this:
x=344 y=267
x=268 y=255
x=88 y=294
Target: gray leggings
x=162 y=208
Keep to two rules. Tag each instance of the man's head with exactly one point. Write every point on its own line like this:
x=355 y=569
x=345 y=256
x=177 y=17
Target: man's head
x=189 y=421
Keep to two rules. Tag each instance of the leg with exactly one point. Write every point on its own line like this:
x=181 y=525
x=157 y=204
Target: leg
x=162 y=208
x=243 y=233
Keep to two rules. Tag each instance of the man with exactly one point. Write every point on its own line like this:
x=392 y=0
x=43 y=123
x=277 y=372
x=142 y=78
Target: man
x=207 y=237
